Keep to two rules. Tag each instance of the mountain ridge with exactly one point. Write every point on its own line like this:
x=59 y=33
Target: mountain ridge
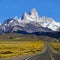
x=30 y=23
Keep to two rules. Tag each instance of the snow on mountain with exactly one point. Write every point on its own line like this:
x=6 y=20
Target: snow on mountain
x=34 y=14
x=58 y=23
x=49 y=23
x=30 y=23
x=44 y=21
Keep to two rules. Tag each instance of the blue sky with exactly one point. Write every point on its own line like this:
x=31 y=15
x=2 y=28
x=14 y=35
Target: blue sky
x=12 y=8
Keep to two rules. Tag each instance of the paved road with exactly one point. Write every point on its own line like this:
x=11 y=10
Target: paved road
x=47 y=55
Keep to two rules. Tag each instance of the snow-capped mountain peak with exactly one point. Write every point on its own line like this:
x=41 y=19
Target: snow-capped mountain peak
x=34 y=14
x=30 y=22
x=16 y=18
x=25 y=16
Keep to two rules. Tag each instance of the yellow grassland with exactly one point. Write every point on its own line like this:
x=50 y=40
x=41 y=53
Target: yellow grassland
x=56 y=46
x=9 y=49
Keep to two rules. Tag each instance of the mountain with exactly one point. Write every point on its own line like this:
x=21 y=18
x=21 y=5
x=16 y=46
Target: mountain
x=30 y=23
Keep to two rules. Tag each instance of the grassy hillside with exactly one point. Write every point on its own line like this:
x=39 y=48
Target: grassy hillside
x=24 y=37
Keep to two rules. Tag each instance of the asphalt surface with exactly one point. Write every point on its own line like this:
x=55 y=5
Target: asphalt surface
x=47 y=55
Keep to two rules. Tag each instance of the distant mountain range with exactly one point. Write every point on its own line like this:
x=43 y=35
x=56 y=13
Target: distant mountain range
x=30 y=23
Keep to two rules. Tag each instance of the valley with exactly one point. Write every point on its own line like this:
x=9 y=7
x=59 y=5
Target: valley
x=28 y=46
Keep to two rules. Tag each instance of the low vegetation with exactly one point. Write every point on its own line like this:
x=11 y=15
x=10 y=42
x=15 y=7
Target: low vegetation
x=56 y=46
x=9 y=49
x=13 y=44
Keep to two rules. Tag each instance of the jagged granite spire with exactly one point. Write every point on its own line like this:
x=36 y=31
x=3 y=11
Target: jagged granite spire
x=34 y=13
x=31 y=23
